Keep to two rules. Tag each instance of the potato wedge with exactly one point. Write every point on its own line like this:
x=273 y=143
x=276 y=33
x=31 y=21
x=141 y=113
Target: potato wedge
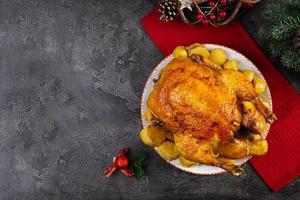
x=218 y=56
x=185 y=162
x=179 y=52
x=259 y=84
x=168 y=150
x=230 y=64
x=249 y=75
x=199 y=50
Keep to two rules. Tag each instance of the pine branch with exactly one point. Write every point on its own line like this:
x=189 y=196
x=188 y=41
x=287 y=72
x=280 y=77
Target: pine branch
x=291 y=59
x=279 y=30
x=137 y=163
x=294 y=2
x=277 y=48
x=285 y=28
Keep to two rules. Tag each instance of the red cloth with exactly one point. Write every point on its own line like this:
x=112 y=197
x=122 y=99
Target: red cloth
x=282 y=163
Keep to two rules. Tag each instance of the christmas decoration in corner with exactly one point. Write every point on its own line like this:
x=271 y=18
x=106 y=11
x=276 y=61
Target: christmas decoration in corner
x=132 y=165
x=213 y=12
x=282 y=32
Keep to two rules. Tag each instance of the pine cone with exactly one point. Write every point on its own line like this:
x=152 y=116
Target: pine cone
x=296 y=40
x=168 y=9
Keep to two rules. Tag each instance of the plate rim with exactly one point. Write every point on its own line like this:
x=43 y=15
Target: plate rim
x=268 y=93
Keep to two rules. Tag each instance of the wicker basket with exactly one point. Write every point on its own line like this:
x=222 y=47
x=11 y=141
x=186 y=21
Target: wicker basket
x=226 y=21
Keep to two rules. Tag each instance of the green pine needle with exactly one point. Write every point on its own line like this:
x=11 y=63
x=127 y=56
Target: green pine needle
x=279 y=30
x=291 y=60
x=285 y=28
x=137 y=164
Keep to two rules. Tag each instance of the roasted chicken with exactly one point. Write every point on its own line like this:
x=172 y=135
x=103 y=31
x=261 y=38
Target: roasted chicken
x=214 y=114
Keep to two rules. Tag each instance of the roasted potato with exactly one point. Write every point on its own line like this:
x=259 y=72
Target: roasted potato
x=179 y=52
x=249 y=75
x=152 y=135
x=145 y=138
x=259 y=147
x=168 y=150
x=259 y=84
x=199 y=50
x=185 y=162
x=230 y=64
x=194 y=45
x=218 y=56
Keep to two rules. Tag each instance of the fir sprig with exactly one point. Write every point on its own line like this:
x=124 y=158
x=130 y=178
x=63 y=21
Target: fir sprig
x=137 y=164
x=282 y=22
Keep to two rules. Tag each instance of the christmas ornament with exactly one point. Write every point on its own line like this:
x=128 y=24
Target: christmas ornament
x=119 y=162
x=216 y=12
x=185 y=4
x=280 y=32
x=296 y=40
x=168 y=9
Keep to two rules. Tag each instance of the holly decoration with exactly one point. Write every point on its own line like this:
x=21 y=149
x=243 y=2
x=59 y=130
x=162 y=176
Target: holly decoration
x=137 y=164
x=119 y=162
x=214 y=12
x=129 y=166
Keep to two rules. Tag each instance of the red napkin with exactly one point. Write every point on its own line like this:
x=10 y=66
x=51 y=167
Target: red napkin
x=282 y=163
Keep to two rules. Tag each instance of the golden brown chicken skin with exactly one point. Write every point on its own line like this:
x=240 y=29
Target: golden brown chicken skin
x=205 y=108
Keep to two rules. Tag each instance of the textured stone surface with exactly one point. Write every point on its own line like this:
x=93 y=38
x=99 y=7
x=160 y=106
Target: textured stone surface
x=71 y=75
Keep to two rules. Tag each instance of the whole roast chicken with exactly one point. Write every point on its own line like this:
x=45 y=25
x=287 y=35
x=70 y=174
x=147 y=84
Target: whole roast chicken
x=215 y=114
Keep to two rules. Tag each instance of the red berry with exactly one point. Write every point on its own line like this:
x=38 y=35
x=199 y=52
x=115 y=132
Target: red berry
x=222 y=1
x=247 y=5
x=200 y=16
x=222 y=14
x=212 y=17
x=122 y=161
x=205 y=22
x=211 y=3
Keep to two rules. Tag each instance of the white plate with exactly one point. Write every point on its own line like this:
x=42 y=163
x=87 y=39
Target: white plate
x=243 y=64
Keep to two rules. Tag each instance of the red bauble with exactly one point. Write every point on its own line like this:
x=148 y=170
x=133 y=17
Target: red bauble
x=212 y=17
x=205 y=22
x=222 y=14
x=211 y=3
x=200 y=16
x=122 y=161
x=222 y=1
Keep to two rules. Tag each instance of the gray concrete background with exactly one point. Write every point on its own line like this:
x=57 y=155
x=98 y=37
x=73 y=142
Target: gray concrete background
x=71 y=75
